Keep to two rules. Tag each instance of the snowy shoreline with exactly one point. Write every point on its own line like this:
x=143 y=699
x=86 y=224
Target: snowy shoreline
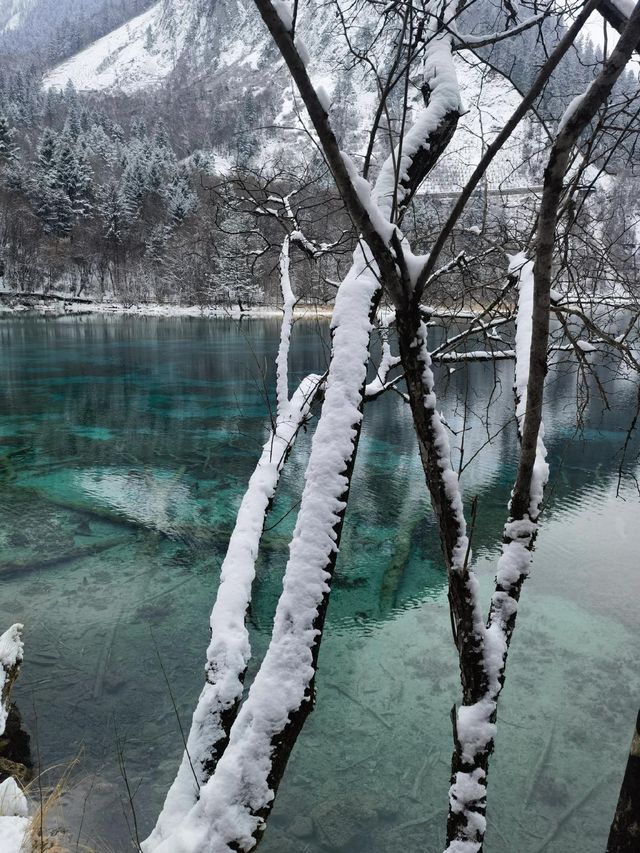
x=59 y=305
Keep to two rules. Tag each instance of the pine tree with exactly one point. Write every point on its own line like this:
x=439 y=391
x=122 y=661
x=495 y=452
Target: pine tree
x=115 y=211
x=181 y=200
x=160 y=136
x=73 y=175
x=52 y=205
x=155 y=175
x=46 y=150
x=139 y=128
x=7 y=148
x=156 y=244
x=135 y=183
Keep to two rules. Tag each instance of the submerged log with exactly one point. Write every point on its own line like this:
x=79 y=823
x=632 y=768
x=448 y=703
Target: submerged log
x=17 y=567
x=395 y=571
x=624 y=836
x=191 y=533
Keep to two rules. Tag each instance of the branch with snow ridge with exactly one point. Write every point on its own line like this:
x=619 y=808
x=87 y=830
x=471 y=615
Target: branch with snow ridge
x=229 y=650
x=475 y=723
x=235 y=802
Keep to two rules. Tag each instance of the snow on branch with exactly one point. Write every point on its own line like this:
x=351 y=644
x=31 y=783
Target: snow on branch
x=235 y=801
x=362 y=207
x=289 y=301
x=475 y=725
x=397 y=181
x=387 y=363
x=475 y=355
x=565 y=44
x=229 y=650
x=11 y=653
x=476 y=719
x=477 y=41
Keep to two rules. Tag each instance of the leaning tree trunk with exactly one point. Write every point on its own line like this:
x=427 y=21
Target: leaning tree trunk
x=624 y=836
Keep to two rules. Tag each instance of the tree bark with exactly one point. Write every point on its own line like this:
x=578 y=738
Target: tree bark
x=624 y=836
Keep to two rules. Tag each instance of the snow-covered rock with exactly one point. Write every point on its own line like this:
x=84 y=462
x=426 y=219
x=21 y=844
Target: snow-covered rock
x=11 y=650
x=13 y=802
x=14 y=823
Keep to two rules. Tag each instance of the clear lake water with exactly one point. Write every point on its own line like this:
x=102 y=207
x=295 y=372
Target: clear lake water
x=125 y=447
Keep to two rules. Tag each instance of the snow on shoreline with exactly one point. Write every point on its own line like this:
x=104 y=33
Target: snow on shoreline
x=153 y=309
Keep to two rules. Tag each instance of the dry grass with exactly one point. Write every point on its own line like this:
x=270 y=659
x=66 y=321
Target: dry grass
x=48 y=828
x=39 y=841
x=42 y=838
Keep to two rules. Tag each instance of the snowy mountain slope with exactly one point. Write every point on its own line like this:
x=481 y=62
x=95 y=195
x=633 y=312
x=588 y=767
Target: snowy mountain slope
x=127 y=59
x=11 y=13
x=226 y=44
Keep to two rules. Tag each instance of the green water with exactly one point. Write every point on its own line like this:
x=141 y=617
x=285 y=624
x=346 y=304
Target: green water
x=126 y=444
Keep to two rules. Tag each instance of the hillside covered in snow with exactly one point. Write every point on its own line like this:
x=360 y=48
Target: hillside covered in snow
x=226 y=44
x=119 y=155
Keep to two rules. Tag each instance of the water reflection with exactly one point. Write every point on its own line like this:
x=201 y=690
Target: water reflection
x=125 y=447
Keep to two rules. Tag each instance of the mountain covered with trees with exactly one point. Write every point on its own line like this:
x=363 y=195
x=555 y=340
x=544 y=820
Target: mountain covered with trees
x=126 y=128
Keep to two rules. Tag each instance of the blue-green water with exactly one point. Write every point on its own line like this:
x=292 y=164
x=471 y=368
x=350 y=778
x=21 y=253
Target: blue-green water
x=135 y=437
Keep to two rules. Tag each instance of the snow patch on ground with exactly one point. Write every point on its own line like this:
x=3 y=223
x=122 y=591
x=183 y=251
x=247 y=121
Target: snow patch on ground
x=14 y=823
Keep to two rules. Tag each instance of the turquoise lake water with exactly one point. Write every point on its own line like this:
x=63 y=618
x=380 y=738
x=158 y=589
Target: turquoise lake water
x=125 y=447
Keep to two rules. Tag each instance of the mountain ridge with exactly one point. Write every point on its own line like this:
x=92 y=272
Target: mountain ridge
x=227 y=45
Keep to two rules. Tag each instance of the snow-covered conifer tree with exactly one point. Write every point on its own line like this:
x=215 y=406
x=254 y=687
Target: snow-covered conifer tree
x=7 y=148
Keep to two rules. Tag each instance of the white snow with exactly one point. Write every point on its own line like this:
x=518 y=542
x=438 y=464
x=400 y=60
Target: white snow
x=473 y=727
x=387 y=363
x=467 y=793
x=284 y=10
x=13 y=802
x=13 y=834
x=289 y=301
x=11 y=651
x=229 y=650
x=443 y=450
x=521 y=265
x=585 y=346
x=120 y=60
x=12 y=13
x=571 y=109
x=228 y=802
x=323 y=97
x=440 y=74
x=14 y=821
x=303 y=51
x=378 y=217
x=625 y=6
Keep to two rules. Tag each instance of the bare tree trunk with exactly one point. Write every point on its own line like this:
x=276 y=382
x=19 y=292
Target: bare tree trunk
x=624 y=836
